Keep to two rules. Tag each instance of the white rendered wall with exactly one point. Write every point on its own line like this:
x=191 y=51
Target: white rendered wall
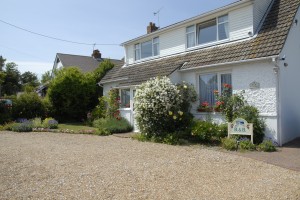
x=264 y=98
x=289 y=85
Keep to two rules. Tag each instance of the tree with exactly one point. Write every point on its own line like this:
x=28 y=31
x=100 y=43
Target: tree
x=71 y=93
x=2 y=74
x=29 y=79
x=2 y=63
x=100 y=72
x=46 y=77
x=12 y=80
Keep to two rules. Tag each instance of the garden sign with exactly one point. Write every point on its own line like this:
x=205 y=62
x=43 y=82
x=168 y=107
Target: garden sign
x=240 y=127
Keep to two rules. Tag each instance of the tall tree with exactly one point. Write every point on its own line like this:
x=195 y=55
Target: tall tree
x=46 y=77
x=2 y=74
x=29 y=79
x=12 y=80
x=71 y=93
x=2 y=63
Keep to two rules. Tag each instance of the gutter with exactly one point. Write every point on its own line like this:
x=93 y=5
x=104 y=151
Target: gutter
x=230 y=63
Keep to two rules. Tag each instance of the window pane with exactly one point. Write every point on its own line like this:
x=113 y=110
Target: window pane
x=208 y=83
x=207 y=32
x=223 y=19
x=225 y=79
x=156 y=40
x=155 y=49
x=125 y=98
x=146 y=49
x=137 y=52
x=190 y=29
x=223 y=31
x=190 y=40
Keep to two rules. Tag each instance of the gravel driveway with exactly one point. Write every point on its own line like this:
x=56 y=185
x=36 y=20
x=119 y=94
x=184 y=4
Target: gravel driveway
x=65 y=166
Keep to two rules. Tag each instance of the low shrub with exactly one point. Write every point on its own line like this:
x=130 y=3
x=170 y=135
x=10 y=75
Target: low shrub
x=50 y=123
x=208 y=131
x=222 y=131
x=7 y=127
x=37 y=123
x=22 y=127
x=140 y=137
x=266 y=146
x=246 y=144
x=28 y=105
x=112 y=125
x=229 y=144
x=251 y=115
x=204 y=130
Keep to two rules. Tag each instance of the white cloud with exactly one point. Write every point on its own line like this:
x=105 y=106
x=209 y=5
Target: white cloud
x=36 y=67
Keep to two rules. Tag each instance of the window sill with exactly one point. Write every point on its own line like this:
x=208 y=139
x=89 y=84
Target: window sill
x=146 y=59
x=124 y=109
x=201 y=46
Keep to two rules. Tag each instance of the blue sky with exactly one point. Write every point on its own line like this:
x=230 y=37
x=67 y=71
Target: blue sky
x=88 y=21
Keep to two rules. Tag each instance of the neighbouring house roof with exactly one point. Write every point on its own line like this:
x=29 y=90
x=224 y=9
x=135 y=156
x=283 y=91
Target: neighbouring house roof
x=85 y=63
x=268 y=42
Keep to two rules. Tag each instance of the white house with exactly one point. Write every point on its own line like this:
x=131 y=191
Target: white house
x=254 y=45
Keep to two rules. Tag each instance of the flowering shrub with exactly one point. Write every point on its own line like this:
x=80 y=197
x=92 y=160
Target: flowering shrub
x=188 y=95
x=157 y=106
x=50 y=123
x=113 y=104
x=204 y=107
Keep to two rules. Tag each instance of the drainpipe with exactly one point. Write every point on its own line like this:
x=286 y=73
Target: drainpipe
x=276 y=70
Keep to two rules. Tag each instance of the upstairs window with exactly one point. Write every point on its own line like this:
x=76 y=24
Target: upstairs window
x=207 y=32
x=147 y=49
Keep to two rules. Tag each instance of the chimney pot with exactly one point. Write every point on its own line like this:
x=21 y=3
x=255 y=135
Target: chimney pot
x=151 y=28
x=96 y=54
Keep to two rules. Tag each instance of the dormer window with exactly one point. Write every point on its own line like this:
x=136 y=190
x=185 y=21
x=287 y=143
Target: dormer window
x=207 y=32
x=147 y=49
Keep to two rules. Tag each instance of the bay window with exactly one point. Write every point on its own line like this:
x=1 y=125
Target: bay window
x=210 y=83
x=146 y=49
x=210 y=31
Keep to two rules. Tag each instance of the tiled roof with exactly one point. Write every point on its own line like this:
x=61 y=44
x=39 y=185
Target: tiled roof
x=85 y=63
x=268 y=42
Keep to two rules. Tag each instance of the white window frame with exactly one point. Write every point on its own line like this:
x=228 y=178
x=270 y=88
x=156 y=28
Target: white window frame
x=137 y=47
x=217 y=32
x=187 y=33
x=140 y=49
x=120 y=94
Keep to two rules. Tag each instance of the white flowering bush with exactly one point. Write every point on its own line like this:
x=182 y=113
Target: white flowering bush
x=157 y=106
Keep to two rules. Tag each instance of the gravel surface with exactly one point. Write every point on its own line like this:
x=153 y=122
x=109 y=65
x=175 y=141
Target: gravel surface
x=65 y=166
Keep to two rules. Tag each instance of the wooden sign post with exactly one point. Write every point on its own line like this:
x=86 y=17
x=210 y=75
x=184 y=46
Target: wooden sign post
x=240 y=127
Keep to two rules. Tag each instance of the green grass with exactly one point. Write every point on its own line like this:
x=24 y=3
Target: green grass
x=75 y=127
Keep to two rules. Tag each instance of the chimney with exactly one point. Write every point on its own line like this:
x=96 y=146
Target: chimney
x=96 y=54
x=151 y=28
